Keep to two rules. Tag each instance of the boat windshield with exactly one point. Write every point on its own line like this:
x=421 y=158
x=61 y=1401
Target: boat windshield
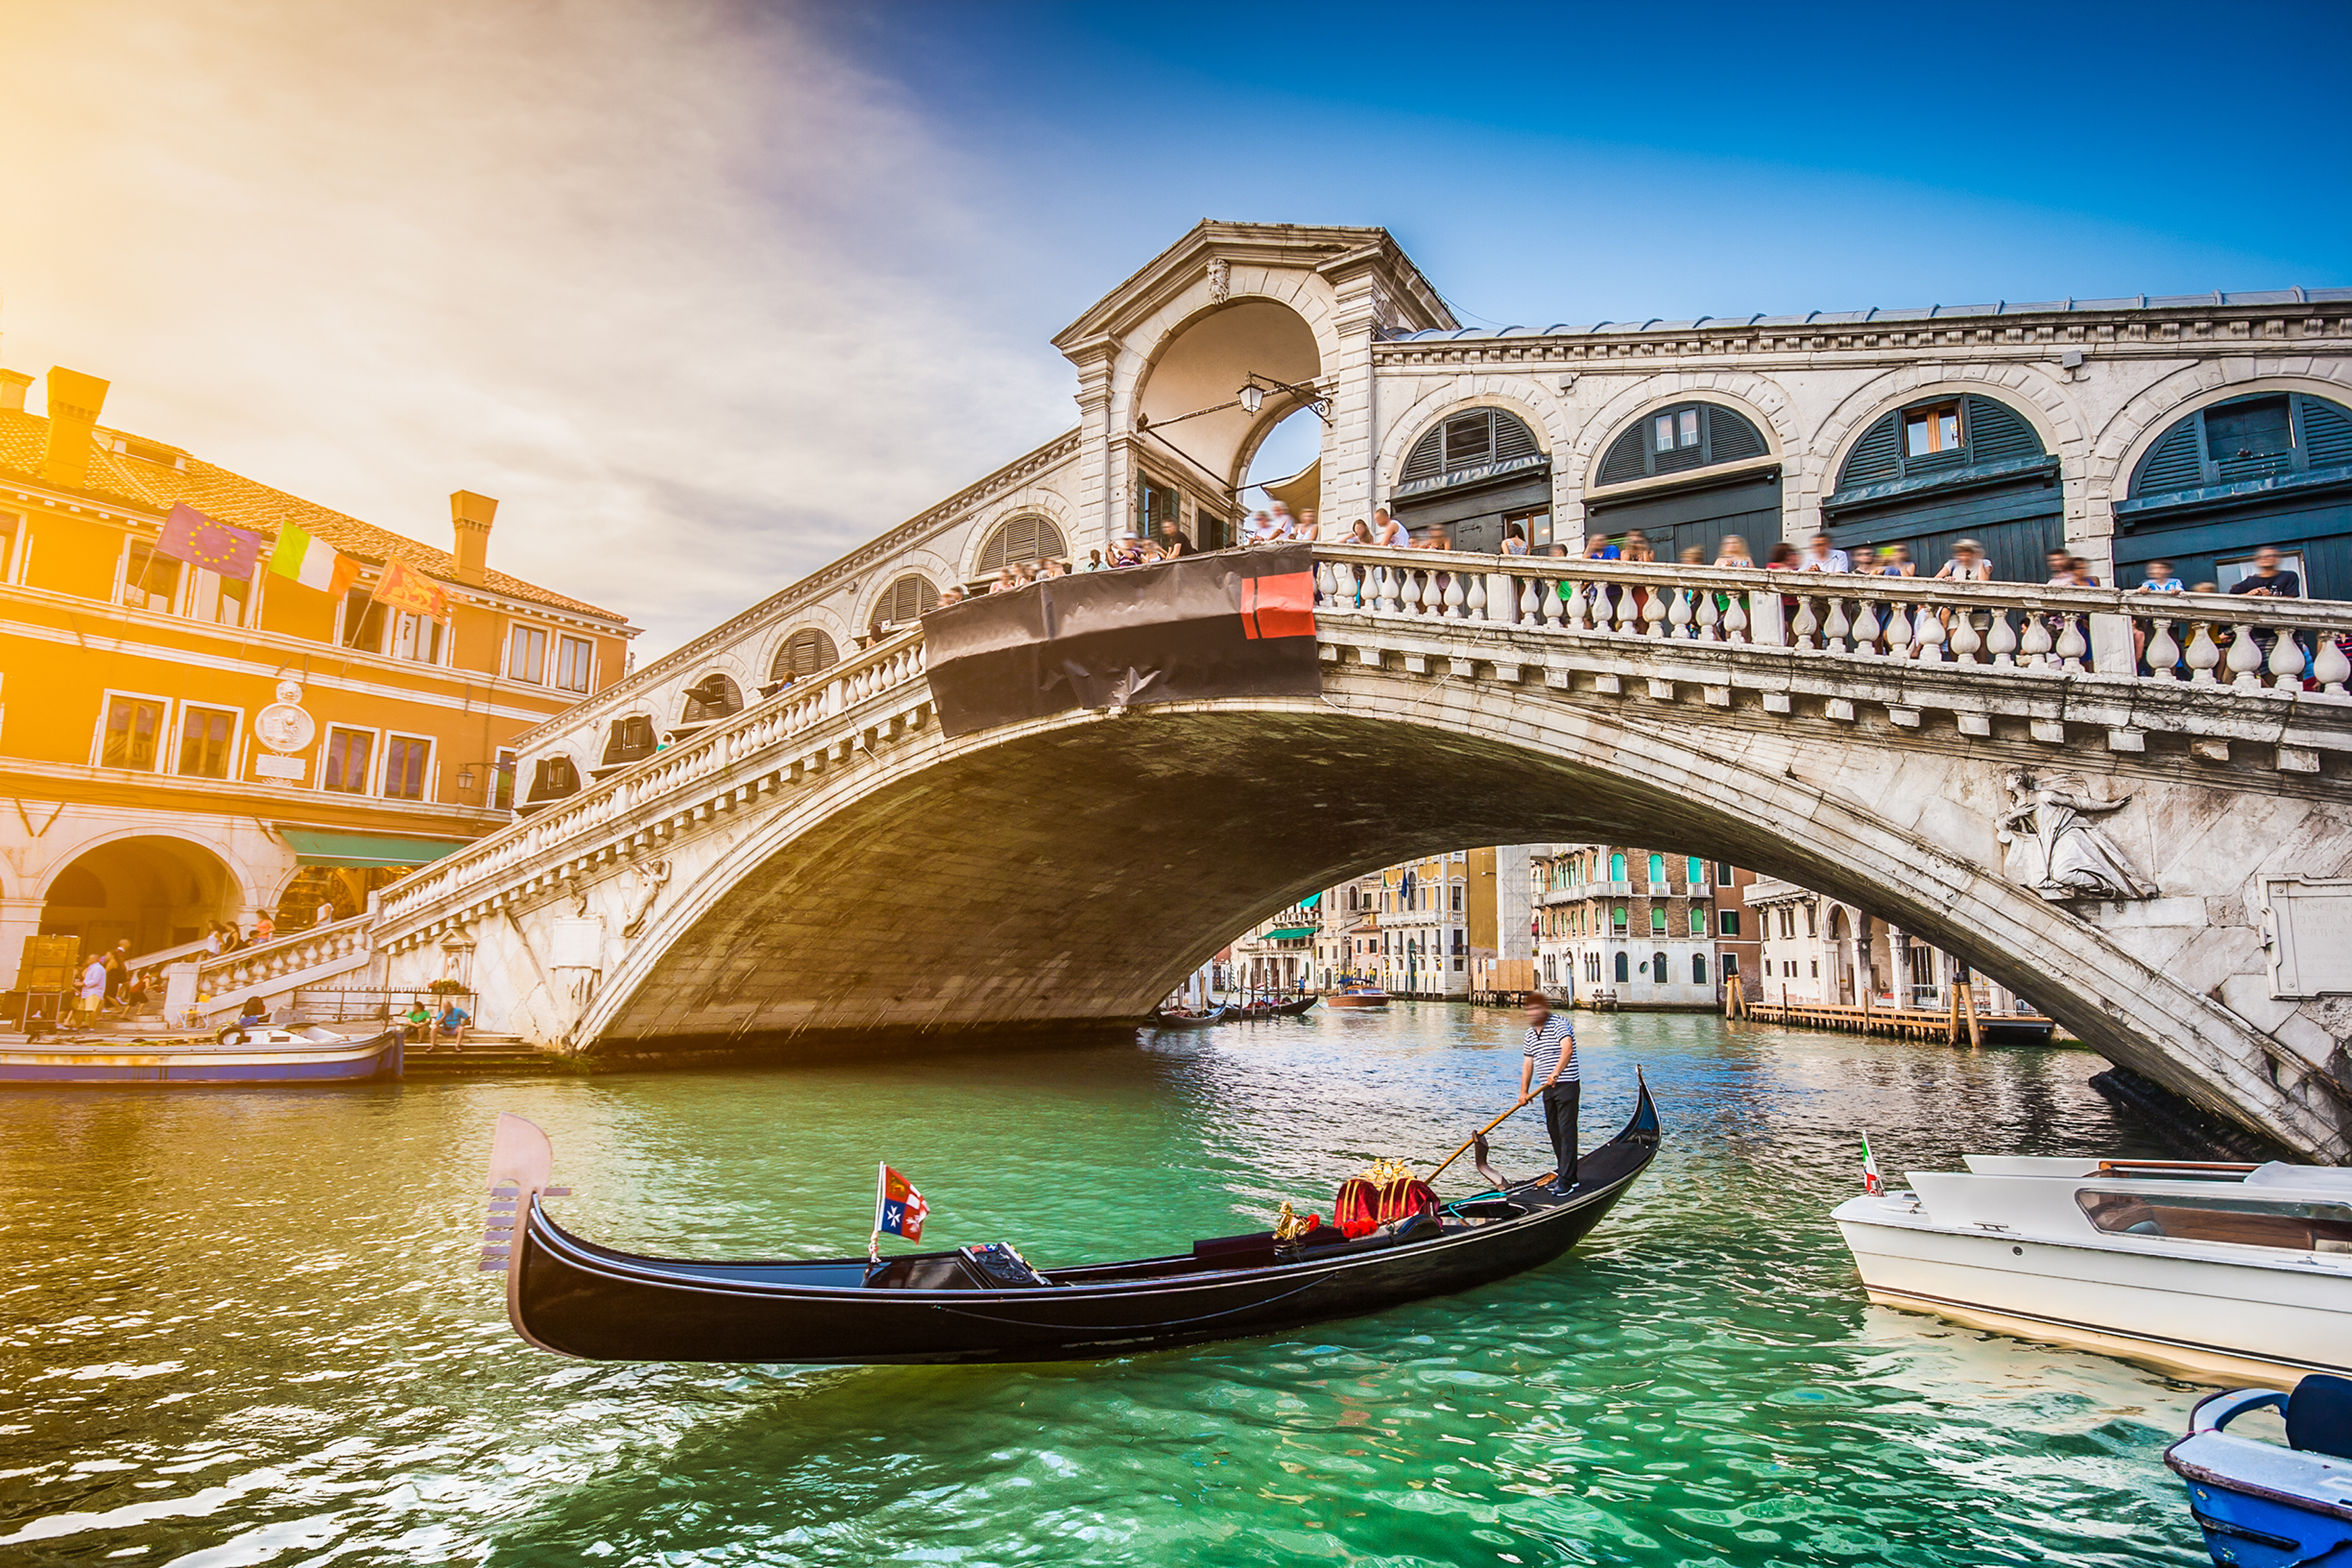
x=2298 y=1225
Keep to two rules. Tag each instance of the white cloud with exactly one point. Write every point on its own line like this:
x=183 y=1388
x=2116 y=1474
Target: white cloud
x=691 y=295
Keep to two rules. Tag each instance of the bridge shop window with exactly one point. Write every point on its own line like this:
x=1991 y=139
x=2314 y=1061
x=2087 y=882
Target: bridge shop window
x=1677 y=455
x=631 y=738
x=551 y=780
x=1476 y=473
x=804 y=653
x=1019 y=540
x=2270 y=468
x=1932 y=473
x=904 y=602
x=710 y=699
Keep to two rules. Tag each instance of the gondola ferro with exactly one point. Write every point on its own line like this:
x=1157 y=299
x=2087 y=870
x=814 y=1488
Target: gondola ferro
x=575 y=1298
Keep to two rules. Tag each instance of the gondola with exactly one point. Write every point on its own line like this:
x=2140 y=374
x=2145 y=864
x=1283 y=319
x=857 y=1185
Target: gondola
x=1181 y=1020
x=575 y=1298
x=1296 y=1006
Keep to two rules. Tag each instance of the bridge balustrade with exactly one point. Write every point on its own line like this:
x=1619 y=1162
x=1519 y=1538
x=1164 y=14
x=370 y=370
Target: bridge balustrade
x=2248 y=645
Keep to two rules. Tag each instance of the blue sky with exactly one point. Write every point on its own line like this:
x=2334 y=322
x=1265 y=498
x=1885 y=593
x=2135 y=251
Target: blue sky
x=708 y=292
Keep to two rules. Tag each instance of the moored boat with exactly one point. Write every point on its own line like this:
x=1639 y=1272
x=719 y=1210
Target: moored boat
x=2261 y=1505
x=988 y=1303
x=2208 y=1271
x=1356 y=996
x=1187 y=1017
x=235 y=1055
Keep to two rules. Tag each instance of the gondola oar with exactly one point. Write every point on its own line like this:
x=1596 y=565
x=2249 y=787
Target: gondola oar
x=1474 y=1137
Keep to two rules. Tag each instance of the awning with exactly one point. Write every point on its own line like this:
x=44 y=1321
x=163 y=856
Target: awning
x=314 y=847
x=1290 y=933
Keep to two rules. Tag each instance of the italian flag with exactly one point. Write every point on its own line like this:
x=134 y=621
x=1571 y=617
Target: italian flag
x=310 y=562
x=1871 y=1179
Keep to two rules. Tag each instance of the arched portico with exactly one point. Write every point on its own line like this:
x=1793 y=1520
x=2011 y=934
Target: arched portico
x=152 y=891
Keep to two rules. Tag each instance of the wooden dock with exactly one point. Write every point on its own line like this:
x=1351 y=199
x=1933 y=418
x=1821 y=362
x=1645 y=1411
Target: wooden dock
x=1961 y=1023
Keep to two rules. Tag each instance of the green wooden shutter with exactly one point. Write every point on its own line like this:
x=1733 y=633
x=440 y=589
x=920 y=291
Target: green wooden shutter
x=2174 y=463
x=1623 y=459
x=1512 y=439
x=2326 y=432
x=1427 y=459
x=1730 y=437
x=1877 y=456
x=1996 y=433
x=1469 y=440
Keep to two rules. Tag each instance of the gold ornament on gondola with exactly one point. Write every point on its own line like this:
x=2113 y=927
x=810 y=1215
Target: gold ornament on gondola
x=1384 y=1172
x=1289 y=1226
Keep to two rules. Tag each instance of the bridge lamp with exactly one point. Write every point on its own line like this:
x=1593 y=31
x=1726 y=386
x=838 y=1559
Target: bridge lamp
x=1253 y=397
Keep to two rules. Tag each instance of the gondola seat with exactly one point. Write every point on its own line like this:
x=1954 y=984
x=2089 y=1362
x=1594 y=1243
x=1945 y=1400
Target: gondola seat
x=2319 y=1416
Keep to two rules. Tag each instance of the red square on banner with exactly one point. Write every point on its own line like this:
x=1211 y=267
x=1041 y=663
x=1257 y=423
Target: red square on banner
x=1282 y=607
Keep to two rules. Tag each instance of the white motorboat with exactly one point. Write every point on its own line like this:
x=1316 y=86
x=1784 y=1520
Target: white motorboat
x=2210 y=1272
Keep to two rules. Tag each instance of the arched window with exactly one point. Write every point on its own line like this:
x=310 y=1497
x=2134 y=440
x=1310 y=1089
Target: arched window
x=1698 y=969
x=552 y=779
x=1019 y=539
x=631 y=740
x=804 y=653
x=1963 y=431
x=1658 y=974
x=1624 y=969
x=1657 y=870
x=1687 y=436
x=908 y=599
x=1617 y=868
x=711 y=697
x=2246 y=438
x=1475 y=439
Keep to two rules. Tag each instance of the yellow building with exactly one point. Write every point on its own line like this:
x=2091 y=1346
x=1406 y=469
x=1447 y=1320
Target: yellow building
x=181 y=747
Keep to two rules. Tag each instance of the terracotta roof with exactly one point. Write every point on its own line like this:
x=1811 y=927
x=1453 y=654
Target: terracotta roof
x=246 y=504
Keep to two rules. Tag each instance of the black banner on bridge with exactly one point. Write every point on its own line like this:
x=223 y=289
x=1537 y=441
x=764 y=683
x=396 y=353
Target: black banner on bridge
x=1236 y=624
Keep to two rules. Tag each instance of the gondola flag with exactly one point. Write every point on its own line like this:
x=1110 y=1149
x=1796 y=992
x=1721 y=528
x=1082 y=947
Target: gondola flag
x=898 y=1208
x=1871 y=1181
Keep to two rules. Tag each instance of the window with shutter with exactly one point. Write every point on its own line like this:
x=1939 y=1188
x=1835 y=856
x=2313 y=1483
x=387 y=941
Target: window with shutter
x=1996 y=433
x=1469 y=440
x=2326 y=432
x=1942 y=436
x=908 y=599
x=1019 y=539
x=1877 y=456
x=631 y=740
x=1688 y=436
x=712 y=697
x=2174 y=463
x=804 y=653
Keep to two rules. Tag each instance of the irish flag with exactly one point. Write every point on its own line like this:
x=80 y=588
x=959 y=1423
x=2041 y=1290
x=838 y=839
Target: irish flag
x=310 y=562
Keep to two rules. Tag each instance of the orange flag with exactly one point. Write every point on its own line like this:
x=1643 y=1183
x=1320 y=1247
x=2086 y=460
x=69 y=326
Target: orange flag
x=405 y=588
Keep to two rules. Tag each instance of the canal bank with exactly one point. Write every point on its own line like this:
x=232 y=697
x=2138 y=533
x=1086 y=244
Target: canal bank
x=249 y=1320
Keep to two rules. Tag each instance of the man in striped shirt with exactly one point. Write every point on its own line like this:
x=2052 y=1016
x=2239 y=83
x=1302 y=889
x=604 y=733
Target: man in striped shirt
x=1550 y=1067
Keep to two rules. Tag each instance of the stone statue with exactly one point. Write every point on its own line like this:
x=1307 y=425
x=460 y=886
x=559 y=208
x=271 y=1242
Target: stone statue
x=2077 y=860
x=651 y=879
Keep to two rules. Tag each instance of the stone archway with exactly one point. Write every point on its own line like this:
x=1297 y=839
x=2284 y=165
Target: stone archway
x=151 y=891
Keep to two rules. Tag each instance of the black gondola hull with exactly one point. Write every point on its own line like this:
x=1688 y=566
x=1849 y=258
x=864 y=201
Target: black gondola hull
x=574 y=1297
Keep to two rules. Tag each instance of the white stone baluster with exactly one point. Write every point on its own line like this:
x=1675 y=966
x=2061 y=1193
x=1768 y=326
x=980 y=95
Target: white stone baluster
x=1389 y=605
x=1898 y=632
x=2036 y=644
x=1326 y=585
x=2002 y=638
x=1865 y=631
x=2203 y=655
x=2162 y=653
x=2072 y=644
x=1966 y=639
x=1805 y=624
x=2330 y=666
x=1708 y=618
x=2245 y=659
x=1531 y=599
x=1678 y=616
x=1734 y=620
x=1475 y=602
x=2286 y=662
x=1629 y=609
x=1456 y=600
x=1428 y=598
x=1653 y=613
x=1553 y=609
x=1927 y=635
x=1837 y=628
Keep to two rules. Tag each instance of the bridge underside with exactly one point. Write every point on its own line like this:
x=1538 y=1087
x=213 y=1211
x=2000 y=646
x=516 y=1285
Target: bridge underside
x=1074 y=874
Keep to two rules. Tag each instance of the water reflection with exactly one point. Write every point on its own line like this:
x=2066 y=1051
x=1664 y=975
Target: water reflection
x=242 y=1328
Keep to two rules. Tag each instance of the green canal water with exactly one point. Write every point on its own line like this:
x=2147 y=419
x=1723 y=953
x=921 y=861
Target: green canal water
x=244 y=1327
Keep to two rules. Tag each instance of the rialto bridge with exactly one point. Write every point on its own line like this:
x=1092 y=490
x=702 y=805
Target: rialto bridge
x=2143 y=825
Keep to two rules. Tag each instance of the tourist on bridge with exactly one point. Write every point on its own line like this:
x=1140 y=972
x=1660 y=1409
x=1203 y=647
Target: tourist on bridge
x=1514 y=540
x=2269 y=580
x=1261 y=530
x=264 y=928
x=1129 y=550
x=1094 y=562
x=1821 y=556
x=1359 y=532
x=1733 y=551
x=1309 y=531
x=1172 y=541
x=1968 y=564
x=1387 y=531
x=1548 y=1067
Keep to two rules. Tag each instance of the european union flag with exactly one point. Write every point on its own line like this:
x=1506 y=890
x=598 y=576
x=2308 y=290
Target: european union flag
x=190 y=536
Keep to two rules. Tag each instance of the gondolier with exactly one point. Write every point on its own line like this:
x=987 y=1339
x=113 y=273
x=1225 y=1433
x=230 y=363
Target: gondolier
x=1549 y=1067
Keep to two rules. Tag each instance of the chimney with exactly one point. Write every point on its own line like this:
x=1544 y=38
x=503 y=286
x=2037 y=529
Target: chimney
x=12 y=390
x=469 y=516
x=74 y=401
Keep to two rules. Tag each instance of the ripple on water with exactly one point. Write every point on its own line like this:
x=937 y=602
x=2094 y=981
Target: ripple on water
x=244 y=1328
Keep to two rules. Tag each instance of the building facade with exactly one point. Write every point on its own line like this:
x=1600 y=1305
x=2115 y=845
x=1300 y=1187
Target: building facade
x=184 y=747
x=1816 y=949
x=1637 y=928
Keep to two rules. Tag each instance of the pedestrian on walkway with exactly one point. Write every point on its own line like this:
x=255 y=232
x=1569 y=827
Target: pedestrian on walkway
x=264 y=928
x=1549 y=1067
x=92 y=993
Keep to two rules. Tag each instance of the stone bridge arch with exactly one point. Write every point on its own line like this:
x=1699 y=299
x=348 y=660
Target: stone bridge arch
x=1001 y=880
